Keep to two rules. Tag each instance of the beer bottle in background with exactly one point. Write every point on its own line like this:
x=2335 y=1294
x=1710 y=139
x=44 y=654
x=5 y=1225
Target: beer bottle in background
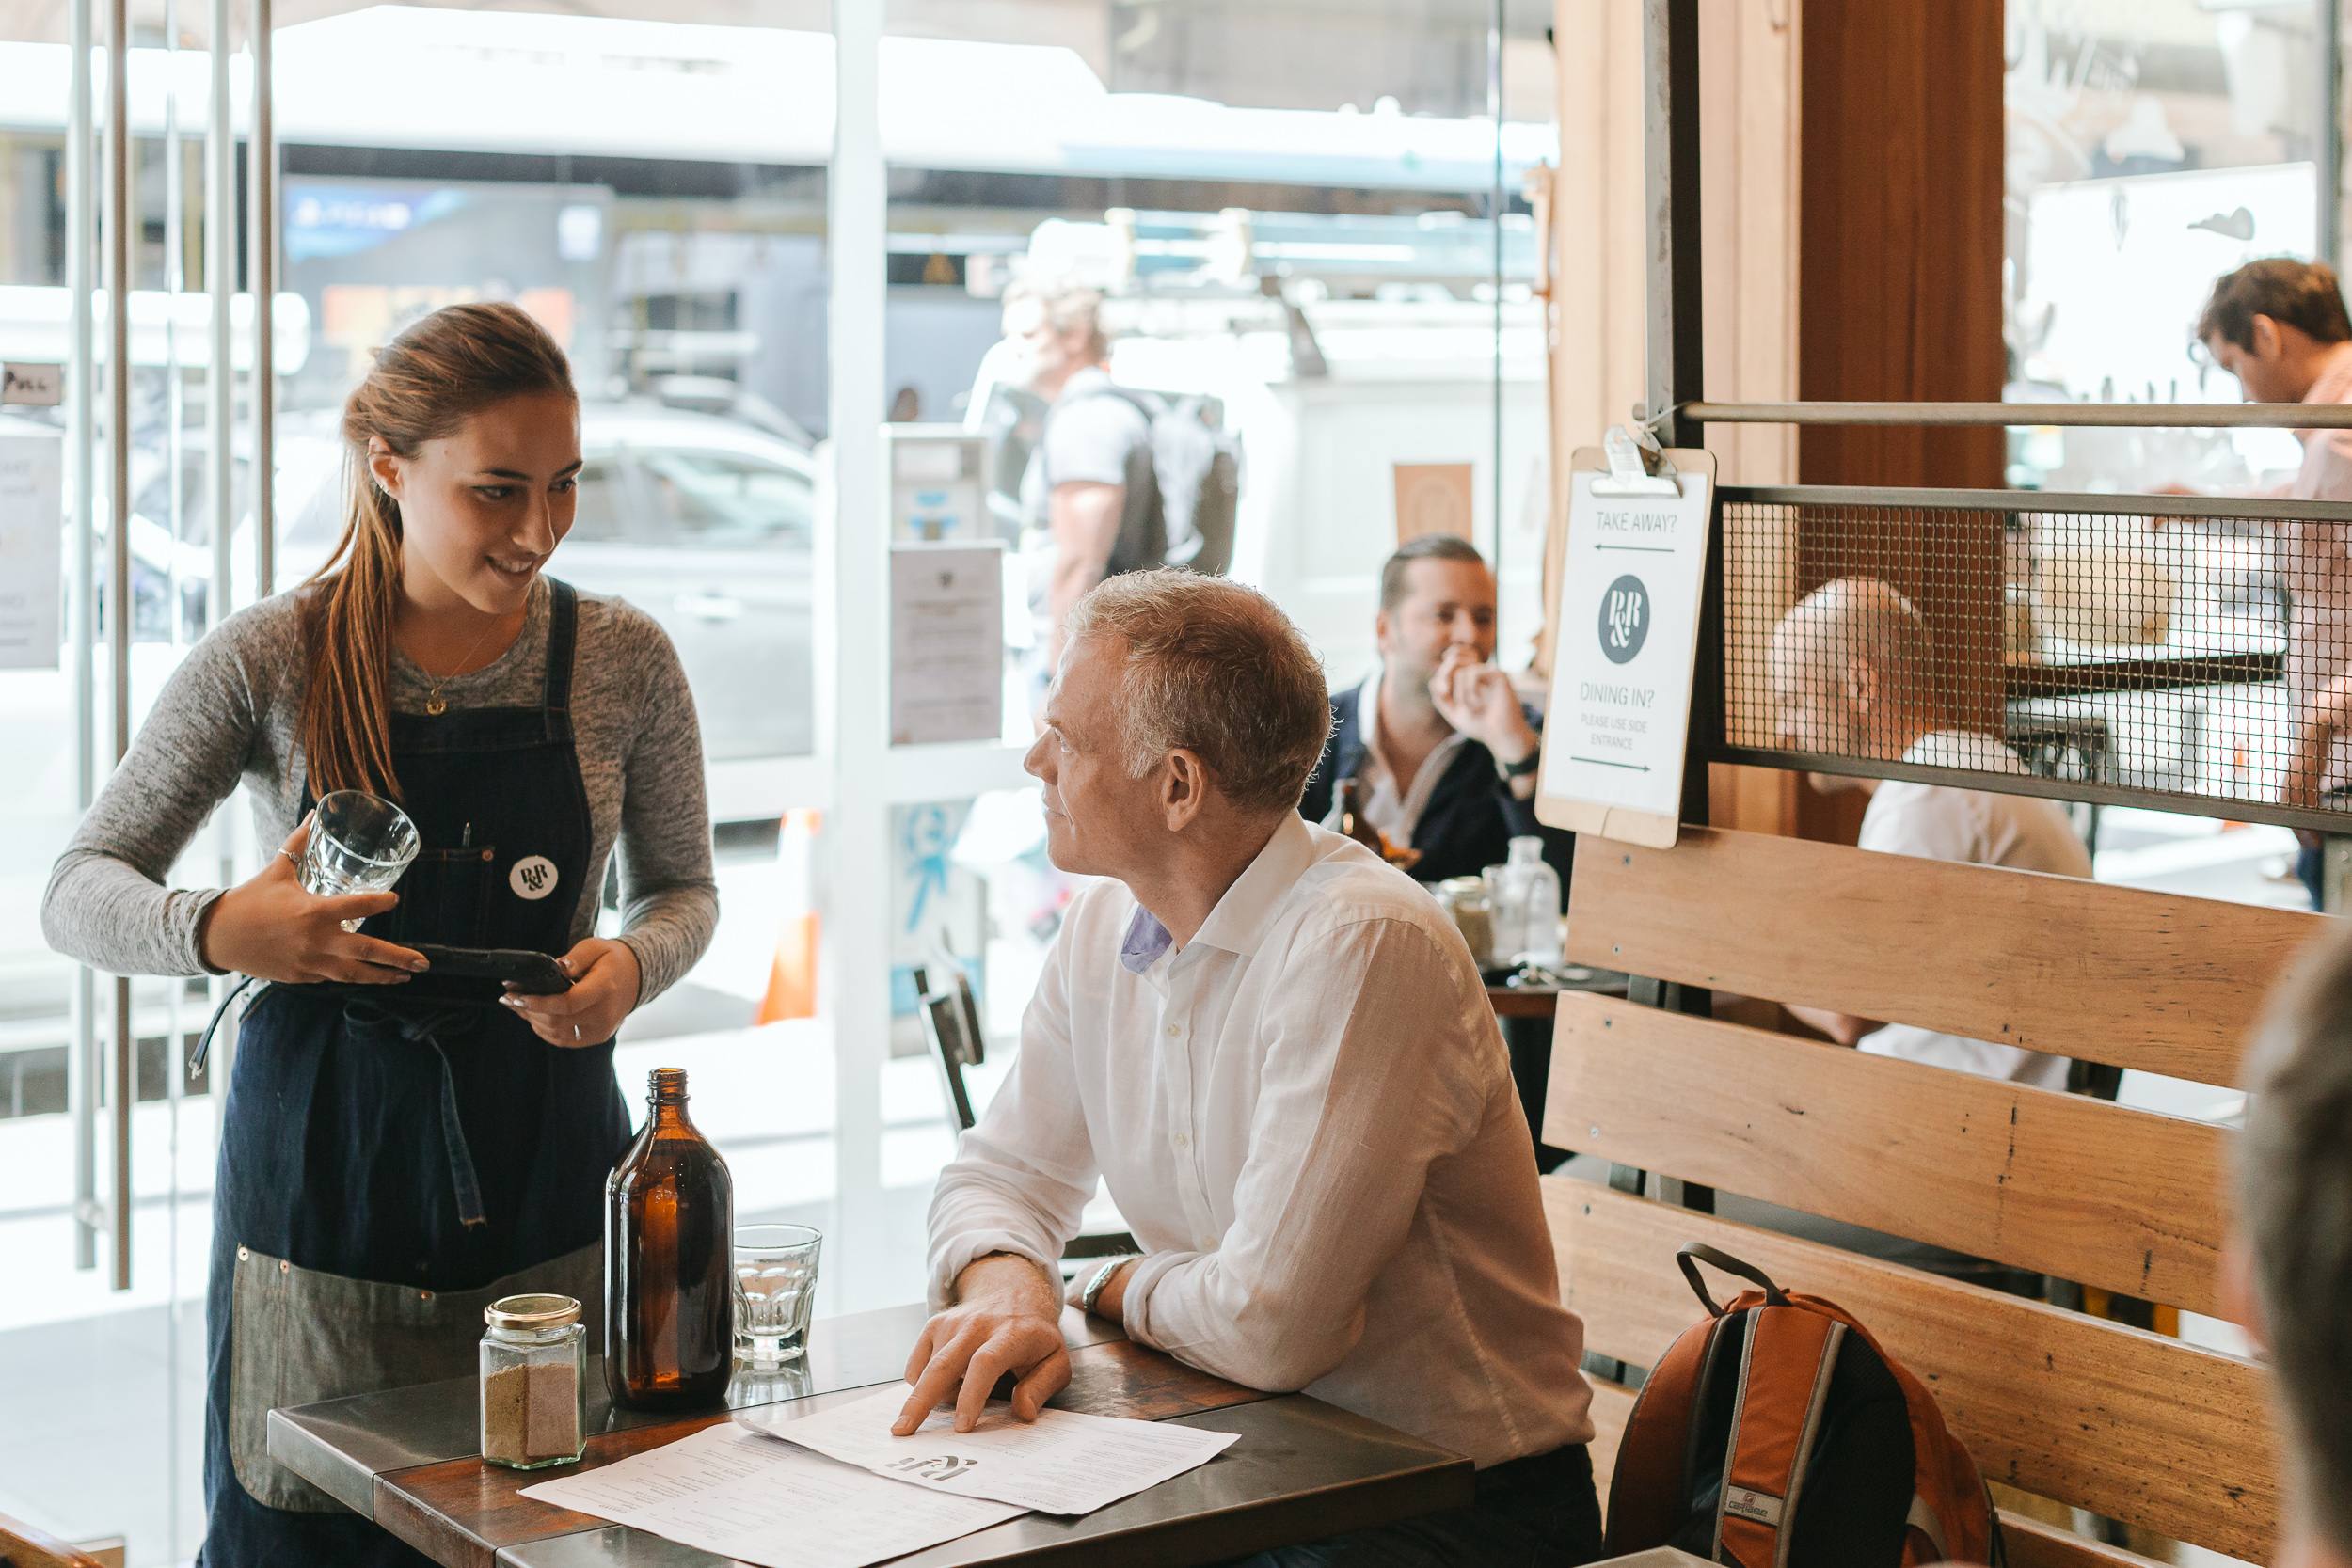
x=669 y=1275
x=1354 y=823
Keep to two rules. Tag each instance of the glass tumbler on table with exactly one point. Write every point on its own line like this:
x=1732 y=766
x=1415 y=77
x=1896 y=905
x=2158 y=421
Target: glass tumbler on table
x=358 y=843
x=775 y=1290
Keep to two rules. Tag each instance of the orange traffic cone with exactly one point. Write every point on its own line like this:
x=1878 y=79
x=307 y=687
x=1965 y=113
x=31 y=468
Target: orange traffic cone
x=792 y=978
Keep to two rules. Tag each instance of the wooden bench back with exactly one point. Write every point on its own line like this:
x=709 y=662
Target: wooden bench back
x=23 y=1546
x=2132 y=1425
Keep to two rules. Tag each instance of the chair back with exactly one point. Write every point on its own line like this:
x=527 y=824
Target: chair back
x=951 y=1025
x=2130 y=1424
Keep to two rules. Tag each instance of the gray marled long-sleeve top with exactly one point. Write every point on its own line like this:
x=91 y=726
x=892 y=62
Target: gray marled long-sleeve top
x=232 y=711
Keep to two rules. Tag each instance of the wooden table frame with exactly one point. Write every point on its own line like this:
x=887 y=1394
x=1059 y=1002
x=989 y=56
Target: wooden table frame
x=409 y=1459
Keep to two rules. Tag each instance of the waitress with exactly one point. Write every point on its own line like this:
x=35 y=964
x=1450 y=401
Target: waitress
x=398 y=1150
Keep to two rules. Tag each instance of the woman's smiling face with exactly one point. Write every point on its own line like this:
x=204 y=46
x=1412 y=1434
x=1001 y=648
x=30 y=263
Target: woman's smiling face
x=483 y=508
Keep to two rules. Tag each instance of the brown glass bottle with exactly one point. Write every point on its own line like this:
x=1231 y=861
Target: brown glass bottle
x=1354 y=823
x=669 y=1270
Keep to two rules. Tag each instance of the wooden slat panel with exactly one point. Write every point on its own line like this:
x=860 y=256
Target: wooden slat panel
x=2062 y=1184
x=2113 y=975
x=1613 y=1406
x=2034 y=1544
x=2134 y=1426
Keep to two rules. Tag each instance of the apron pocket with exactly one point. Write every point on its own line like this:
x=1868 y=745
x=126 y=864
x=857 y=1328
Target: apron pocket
x=297 y=1337
x=444 y=898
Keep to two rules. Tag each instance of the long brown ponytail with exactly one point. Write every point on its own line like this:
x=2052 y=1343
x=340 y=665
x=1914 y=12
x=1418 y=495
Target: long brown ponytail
x=425 y=383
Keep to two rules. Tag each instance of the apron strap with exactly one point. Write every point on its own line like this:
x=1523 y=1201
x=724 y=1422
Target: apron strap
x=424 y=1027
x=555 y=699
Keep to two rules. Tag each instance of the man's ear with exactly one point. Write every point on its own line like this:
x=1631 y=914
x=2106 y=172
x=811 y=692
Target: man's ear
x=1184 y=789
x=2266 y=341
x=1862 y=684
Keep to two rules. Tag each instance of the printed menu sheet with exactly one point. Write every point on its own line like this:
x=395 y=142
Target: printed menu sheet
x=1061 y=1462
x=761 y=1501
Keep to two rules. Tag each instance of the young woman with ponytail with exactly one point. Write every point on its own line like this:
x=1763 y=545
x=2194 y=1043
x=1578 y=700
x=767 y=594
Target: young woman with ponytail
x=401 y=1148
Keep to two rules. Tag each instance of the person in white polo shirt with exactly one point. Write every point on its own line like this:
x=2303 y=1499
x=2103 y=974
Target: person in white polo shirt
x=1850 y=670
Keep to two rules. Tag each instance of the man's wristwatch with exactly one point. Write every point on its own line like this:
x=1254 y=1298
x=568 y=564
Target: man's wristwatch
x=1101 y=1276
x=1522 y=767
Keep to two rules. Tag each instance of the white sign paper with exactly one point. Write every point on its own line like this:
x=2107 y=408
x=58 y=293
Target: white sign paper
x=31 y=521
x=1061 y=1462
x=756 y=1499
x=946 y=642
x=41 y=385
x=1627 y=638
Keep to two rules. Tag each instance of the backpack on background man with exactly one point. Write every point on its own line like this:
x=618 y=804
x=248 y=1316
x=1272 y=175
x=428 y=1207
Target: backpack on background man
x=1196 y=465
x=1776 y=1432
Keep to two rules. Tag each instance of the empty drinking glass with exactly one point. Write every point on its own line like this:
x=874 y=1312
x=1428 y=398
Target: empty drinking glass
x=358 y=843
x=775 y=1288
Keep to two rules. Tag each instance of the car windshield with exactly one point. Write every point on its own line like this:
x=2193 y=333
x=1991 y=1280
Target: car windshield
x=711 y=500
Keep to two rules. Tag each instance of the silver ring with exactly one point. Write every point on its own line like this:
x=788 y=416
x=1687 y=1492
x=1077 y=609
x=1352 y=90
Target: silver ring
x=575 y=1031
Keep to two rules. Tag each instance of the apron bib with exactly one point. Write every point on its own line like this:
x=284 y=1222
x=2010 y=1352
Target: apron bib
x=395 y=1158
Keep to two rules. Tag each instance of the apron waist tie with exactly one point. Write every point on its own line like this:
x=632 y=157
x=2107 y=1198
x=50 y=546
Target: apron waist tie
x=425 y=1027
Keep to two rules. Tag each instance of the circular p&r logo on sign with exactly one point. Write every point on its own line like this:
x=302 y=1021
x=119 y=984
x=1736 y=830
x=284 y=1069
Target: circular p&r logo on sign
x=1623 y=619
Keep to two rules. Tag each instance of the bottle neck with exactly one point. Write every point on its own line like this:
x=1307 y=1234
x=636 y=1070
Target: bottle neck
x=666 y=1101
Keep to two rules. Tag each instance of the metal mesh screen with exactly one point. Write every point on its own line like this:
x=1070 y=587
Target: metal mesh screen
x=2166 y=652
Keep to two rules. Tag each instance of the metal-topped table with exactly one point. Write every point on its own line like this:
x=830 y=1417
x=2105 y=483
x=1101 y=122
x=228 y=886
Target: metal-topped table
x=410 y=1460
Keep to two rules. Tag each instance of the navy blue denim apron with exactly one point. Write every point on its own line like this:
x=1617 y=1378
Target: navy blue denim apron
x=392 y=1158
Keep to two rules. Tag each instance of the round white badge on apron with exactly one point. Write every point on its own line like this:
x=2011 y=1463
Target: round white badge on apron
x=534 y=877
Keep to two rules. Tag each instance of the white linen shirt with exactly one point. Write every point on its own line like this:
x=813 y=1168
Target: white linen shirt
x=1306 y=1118
x=1981 y=828
x=2319 y=566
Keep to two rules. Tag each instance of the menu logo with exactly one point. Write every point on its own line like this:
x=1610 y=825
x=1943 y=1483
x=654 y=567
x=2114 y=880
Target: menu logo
x=1747 y=1503
x=936 y=1467
x=1623 y=619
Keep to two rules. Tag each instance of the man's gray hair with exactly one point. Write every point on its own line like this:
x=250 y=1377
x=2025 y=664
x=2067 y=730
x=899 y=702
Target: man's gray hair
x=1069 y=305
x=2295 y=1203
x=1212 y=667
x=1865 y=618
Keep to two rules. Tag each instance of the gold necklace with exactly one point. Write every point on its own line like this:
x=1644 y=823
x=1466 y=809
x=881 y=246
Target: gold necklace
x=433 y=704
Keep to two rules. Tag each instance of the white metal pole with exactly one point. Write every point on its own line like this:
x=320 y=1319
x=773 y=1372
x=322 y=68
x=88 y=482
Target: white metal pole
x=81 y=210
x=854 y=661
x=220 y=426
x=123 y=1084
x=262 y=272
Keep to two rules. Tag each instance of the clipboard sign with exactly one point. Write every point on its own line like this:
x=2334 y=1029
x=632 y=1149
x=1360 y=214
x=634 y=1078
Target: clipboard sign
x=1625 y=648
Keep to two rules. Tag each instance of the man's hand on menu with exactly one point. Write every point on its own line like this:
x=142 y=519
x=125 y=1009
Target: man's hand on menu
x=1007 y=1317
x=1478 y=700
x=605 y=983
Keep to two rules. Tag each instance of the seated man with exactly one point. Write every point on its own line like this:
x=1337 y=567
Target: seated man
x=1849 y=676
x=2288 y=1277
x=1276 y=1052
x=1445 y=750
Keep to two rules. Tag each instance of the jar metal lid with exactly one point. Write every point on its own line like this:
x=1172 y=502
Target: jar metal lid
x=530 y=1312
x=1464 y=884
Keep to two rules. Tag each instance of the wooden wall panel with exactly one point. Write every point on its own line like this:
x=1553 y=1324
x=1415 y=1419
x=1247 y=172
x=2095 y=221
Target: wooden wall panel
x=1900 y=298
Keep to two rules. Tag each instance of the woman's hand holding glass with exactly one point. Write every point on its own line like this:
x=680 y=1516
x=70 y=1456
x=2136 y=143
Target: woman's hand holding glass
x=604 y=991
x=274 y=928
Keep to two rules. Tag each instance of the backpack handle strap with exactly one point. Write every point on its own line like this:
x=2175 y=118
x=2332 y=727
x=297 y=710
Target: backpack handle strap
x=1691 y=1254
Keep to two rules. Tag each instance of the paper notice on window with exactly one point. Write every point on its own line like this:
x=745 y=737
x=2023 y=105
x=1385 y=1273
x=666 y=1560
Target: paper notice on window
x=1061 y=1462
x=946 y=642
x=31 y=521
x=757 y=1499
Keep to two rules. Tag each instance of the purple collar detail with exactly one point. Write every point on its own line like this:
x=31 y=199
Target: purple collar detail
x=1145 y=941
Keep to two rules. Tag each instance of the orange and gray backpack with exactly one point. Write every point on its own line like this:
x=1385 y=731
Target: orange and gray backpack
x=1776 y=1434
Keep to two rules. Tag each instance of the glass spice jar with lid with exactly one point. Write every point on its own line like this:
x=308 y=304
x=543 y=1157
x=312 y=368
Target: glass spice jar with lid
x=535 y=1409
